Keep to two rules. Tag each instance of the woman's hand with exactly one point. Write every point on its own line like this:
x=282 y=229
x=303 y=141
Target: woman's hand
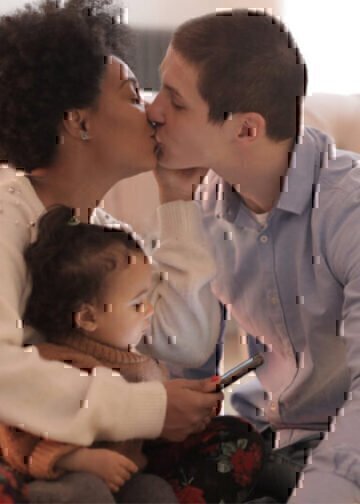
x=115 y=469
x=191 y=404
x=177 y=185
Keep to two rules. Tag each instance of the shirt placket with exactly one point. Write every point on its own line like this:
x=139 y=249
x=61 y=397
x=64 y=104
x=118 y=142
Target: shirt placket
x=280 y=341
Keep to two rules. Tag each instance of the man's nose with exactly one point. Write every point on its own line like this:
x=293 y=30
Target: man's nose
x=155 y=112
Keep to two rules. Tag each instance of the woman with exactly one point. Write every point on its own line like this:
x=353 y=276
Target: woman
x=72 y=124
x=76 y=270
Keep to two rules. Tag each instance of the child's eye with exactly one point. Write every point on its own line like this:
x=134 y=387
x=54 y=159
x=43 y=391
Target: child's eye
x=139 y=307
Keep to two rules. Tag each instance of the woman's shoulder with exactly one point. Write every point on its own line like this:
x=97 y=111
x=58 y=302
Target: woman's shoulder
x=19 y=203
x=10 y=177
x=102 y=218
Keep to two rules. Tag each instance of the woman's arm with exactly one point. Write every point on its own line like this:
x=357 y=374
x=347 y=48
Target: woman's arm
x=56 y=401
x=50 y=399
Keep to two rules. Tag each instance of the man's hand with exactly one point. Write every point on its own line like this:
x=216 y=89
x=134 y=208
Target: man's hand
x=190 y=406
x=177 y=185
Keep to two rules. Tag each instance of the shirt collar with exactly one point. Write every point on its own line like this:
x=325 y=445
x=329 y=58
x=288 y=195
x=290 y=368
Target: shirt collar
x=298 y=186
x=228 y=201
x=300 y=180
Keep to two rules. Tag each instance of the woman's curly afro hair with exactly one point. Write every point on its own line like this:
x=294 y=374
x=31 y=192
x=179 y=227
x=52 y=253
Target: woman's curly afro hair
x=52 y=60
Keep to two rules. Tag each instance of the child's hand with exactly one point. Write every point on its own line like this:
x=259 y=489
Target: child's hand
x=115 y=469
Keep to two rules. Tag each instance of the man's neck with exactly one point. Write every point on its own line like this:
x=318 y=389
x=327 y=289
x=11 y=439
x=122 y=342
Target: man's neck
x=261 y=193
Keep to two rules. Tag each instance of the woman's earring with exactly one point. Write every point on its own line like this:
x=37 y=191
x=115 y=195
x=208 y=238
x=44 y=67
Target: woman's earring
x=84 y=135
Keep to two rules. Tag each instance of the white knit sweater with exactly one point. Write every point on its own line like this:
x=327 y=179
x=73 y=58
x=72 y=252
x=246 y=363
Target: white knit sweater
x=55 y=400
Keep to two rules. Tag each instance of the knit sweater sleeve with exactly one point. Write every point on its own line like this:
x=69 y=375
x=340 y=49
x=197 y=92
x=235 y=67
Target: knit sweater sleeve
x=31 y=455
x=49 y=398
x=42 y=461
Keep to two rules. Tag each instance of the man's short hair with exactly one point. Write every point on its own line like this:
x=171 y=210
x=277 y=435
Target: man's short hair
x=248 y=62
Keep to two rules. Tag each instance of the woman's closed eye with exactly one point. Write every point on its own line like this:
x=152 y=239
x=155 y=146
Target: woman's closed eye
x=135 y=94
x=136 y=98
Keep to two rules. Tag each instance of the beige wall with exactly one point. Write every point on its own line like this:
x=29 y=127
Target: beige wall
x=9 y=5
x=167 y=13
x=134 y=201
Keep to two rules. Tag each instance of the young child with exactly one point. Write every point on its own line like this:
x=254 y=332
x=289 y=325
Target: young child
x=89 y=297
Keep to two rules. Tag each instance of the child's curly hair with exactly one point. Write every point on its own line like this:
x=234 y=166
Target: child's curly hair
x=52 y=60
x=68 y=264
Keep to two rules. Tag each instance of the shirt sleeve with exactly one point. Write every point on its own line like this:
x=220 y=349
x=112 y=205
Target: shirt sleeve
x=332 y=473
x=187 y=317
x=50 y=399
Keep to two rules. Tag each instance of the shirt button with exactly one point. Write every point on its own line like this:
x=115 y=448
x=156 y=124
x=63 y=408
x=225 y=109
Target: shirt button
x=273 y=406
x=264 y=239
x=274 y=300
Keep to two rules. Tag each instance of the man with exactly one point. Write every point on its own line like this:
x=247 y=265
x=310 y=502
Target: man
x=282 y=210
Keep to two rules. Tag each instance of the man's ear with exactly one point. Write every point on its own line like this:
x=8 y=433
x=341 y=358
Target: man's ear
x=76 y=124
x=86 y=318
x=252 y=126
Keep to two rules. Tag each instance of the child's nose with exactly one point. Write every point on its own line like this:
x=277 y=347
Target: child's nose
x=149 y=310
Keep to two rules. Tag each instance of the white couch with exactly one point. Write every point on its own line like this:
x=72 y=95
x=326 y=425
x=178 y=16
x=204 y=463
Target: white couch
x=338 y=115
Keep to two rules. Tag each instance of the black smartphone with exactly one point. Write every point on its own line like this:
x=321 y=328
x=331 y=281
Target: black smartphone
x=240 y=370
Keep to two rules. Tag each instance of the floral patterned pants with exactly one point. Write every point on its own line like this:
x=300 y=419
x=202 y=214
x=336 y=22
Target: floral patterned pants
x=219 y=465
x=12 y=486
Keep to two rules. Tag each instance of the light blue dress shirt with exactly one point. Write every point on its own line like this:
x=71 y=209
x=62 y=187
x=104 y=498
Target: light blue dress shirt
x=294 y=286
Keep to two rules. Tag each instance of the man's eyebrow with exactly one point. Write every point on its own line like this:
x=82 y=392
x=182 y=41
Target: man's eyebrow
x=168 y=87
x=172 y=90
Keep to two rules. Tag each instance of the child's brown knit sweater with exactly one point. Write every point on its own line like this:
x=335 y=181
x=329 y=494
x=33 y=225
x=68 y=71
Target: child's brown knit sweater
x=37 y=456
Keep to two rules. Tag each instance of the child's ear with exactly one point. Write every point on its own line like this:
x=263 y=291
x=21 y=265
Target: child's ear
x=86 y=318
